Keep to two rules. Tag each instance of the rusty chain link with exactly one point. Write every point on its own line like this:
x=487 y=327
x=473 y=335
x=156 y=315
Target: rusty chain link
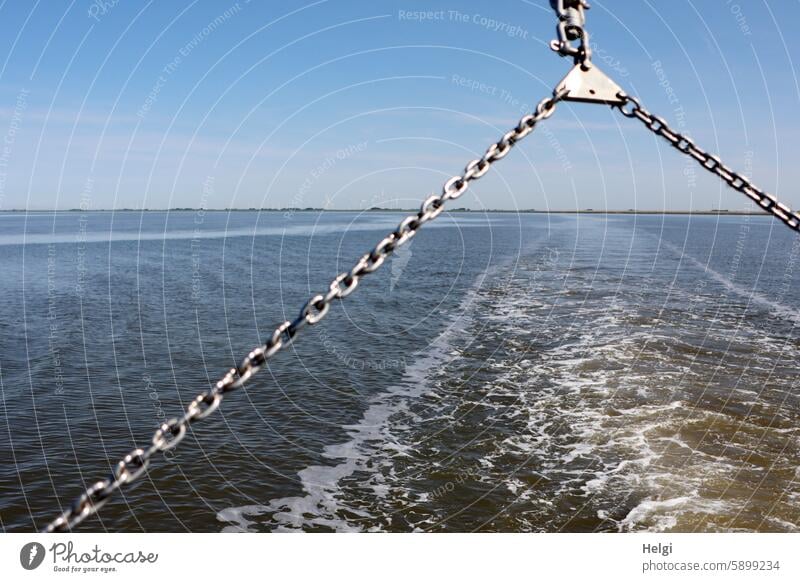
x=631 y=107
x=315 y=309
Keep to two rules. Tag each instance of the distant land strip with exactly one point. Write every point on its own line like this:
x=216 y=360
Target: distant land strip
x=411 y=210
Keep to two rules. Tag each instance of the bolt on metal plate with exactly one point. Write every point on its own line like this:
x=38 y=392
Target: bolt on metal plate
x=590 y=86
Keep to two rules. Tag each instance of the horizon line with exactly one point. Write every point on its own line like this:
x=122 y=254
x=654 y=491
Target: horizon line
x=721 y=211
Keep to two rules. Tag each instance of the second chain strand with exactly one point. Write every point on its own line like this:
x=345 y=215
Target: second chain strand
x=632 y=107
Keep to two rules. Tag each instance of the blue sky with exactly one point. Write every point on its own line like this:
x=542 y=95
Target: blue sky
x=345 y=104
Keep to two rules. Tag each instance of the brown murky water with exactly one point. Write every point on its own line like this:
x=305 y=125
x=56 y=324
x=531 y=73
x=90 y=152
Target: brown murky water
x=558 y=374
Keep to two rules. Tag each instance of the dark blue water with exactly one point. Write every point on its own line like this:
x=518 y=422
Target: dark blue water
x=502 y=373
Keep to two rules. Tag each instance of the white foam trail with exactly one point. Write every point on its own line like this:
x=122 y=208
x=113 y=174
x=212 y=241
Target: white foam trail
x=249 y=232
x=663 y=514
x=634 y=443
x=750 y=294
x=320 y=482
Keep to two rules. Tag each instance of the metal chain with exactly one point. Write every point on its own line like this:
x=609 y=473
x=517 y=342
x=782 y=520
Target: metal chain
x=315 y=309
x=631 y=107
x=572 y=26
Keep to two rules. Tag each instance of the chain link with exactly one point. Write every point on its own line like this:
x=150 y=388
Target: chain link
x=315 y=309
x=631 y=107
x=170 y=433
x=571 y=27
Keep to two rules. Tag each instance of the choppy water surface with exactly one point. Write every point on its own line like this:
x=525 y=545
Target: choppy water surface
x=504 y=373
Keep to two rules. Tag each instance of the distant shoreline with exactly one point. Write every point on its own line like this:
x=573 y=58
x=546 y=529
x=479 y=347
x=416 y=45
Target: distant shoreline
x=409 y=210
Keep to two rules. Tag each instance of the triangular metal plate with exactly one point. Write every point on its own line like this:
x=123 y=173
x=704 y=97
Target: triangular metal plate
x=590 y=86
